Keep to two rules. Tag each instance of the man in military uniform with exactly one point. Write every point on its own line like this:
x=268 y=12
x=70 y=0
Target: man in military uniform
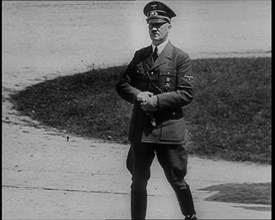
x=156 y=82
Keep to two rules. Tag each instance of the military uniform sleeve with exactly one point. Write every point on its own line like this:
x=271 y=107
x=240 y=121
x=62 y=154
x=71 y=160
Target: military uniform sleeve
x=125 y=87
x=183 y=93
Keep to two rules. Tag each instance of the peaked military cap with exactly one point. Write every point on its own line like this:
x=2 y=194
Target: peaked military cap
x=158 y=12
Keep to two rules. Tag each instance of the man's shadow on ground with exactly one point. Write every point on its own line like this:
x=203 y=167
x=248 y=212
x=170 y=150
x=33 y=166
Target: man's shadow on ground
x=245 y=193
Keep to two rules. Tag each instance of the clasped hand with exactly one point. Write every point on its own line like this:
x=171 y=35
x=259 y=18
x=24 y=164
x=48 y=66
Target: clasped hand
x=148 y=101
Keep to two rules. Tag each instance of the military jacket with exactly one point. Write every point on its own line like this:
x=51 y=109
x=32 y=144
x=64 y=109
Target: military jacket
x=167 y=78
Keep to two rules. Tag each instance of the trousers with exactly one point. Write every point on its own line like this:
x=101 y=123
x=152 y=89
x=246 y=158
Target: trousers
x=173 y=160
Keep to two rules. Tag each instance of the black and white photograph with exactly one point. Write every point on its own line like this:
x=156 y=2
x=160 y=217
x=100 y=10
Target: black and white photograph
x=136 y=109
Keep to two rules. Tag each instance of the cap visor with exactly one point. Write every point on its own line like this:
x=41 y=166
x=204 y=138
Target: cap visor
x=157 y=20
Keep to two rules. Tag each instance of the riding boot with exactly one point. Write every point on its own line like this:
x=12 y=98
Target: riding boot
x=185 y=199
x=138 y=204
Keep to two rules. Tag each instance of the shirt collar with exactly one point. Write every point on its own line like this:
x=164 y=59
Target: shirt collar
x=161 y=46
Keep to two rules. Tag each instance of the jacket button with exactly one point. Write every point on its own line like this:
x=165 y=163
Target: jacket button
x=167 y=79
x=152 y=73
x=174 y=113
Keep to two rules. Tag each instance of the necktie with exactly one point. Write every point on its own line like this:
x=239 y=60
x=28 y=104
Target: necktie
x=155 y=54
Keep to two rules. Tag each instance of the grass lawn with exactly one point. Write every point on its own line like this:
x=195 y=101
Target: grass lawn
x=230 y=117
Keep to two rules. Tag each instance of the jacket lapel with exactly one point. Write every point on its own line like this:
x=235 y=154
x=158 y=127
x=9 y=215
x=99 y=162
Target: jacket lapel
x=165 y=55
x=148 y=58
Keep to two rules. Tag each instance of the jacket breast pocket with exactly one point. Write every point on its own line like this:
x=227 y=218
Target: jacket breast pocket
x=140 y=77
x=167 y=80
x=140 y=70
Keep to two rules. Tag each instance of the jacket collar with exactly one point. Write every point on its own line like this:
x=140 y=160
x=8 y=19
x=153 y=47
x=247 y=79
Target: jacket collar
x=165 y=55
x=161 y=46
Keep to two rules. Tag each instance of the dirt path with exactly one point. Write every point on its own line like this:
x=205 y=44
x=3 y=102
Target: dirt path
x=44 y=176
